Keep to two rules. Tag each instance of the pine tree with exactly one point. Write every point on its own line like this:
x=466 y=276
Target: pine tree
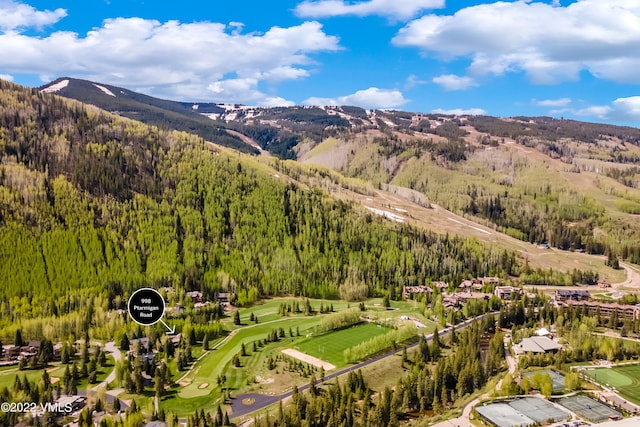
x=18 y=338
x=205 y=342
x=124 y=343
x=159 y=383
x=46 y=381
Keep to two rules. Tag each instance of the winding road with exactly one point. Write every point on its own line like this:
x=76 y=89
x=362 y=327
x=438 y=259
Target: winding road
x=247 y=403
x=110 y=395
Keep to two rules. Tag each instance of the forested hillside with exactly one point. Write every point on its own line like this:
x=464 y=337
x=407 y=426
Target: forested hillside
x=93 y=205
x=569 y=184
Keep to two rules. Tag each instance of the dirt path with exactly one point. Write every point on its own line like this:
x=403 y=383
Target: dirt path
x=633 y=278
x=463 y=420
x=308 y=359
x=248 y=141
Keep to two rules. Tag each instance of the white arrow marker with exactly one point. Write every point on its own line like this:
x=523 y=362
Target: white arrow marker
x=171 y=330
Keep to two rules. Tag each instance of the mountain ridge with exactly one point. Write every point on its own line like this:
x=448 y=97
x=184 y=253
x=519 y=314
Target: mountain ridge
x=571 y=184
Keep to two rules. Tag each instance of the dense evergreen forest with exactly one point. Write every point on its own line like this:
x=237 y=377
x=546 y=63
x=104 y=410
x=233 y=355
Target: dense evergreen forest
x=93 y=206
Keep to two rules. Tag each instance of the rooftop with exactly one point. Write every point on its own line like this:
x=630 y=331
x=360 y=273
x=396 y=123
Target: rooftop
x=536 y=345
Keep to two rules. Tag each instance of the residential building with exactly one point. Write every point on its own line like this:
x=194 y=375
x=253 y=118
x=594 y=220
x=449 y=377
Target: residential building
x=409 y=290
x=605 y=309
x=196 y=296
x=441 y=285
x=506 y=292
x=572 y=295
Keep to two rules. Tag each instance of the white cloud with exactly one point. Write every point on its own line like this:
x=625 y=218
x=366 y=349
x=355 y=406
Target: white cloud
x=7 y=77
x=170 y=59
x=620 y=110
x=461 y=111
x=413 y=81
x=394 y=9
x=627 y=109
x=600 y=111
x=454 y=82
x=16 y=16
x=367 y=98
x=601 y=37
x=561 y=102
x=230 y=90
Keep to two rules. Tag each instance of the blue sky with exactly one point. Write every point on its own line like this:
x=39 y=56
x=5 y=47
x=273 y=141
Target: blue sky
x=574 y=59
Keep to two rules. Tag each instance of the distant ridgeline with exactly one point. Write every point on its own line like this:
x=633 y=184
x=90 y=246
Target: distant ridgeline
x=93 y=205
x=211 y=121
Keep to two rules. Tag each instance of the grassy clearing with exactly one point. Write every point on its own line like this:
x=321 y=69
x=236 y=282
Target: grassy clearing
x=324 y=147
x=330 y=347
x=201 y=389
x=212 y=365
x=603 y=297
x=56 y=372
x=8 y=377
x=626 y=380
x=267 y=310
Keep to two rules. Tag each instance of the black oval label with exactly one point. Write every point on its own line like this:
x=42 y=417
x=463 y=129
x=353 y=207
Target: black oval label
x=146 y=306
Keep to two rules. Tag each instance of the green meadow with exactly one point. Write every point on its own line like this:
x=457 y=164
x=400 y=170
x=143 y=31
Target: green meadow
x=330 y=346
x=626 y=380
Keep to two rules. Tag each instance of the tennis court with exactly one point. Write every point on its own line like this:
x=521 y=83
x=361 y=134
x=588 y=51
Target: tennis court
x=588 y=408
x=556 y=377
x=522 y=412
x=503 y=415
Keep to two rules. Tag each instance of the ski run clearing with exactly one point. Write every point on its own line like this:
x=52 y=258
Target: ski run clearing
x=386 y=214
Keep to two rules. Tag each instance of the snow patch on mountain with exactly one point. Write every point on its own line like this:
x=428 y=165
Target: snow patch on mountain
x=56 y=86
x=105 y=90
x=386 y=214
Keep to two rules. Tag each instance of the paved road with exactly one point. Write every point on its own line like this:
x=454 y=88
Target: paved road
x=115 y=352
x=259 y=401
x=110 y=395
x=463 y=420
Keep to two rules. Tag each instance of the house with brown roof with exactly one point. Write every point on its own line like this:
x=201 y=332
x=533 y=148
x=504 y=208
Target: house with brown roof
x=196 y=296
x=607 y=309
x=441 y=285
x=506 y=292
x=466 y=285
x=407 y=291
x=489 y=280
